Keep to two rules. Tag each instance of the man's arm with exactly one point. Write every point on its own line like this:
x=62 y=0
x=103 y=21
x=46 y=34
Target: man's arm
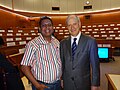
x=27 y=71
x=94 y=59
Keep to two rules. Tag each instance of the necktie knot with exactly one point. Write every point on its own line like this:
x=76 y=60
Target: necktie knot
x=75 y=39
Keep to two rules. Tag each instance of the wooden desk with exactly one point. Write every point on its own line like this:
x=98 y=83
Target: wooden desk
x=113 y=81
x=16 y=58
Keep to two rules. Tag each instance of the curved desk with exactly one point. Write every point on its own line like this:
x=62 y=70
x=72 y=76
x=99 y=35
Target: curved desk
x=113 y=81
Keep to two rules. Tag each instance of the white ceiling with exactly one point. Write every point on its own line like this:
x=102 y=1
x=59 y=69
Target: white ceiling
x=66 y=6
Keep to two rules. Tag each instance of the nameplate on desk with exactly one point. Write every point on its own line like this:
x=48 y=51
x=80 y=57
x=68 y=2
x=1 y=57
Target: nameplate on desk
x=56 y=30
x=35 y=27
x=117 y=37
x=89 y=26
x=18 y=34
x=11 y=44
x=9 y=39
x=83 y=29
x=65 y=30
x=0 y=34
x=66 y=36
x=20 y=30
x=17 y=39
x=99 y=25
x=21 y=50
x=9 y=34
x=105 y=25
x=33 y=33
x=94 y=26
x=60 y=33
x=104 y=35
x=111 y=31
x=66 y=33
x=26 y=34
x=99 y=45
x=2 y=30
x=108 y=29
x=10 y=30
x=57 y=27
x=28 y=38
x=89 y=29
x=102 y=29
x=63 y=27
x=96 y=29
x=103 y=32
x=96 y=35
x=116 y=28
x=87 y=32
x=112 y=24
x=118 y=24
x=22 y=42
x=109 y=38
x=83 y=26
x=112 y=35
x=106 y=45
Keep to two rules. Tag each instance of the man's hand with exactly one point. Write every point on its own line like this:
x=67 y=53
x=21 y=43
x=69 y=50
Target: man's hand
x=41 y=87
x=62 y=83
x=95 y=88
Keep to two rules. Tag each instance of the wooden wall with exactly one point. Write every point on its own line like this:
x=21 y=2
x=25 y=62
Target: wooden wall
x=11 y=20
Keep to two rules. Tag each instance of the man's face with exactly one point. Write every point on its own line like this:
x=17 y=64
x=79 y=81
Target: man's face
x=73 y=26
x=46 y=28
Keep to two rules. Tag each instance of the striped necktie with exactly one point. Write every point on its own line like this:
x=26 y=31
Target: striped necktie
x=74 y=47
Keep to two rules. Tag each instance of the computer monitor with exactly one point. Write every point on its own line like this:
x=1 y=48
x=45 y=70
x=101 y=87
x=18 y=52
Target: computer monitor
x=103 y=53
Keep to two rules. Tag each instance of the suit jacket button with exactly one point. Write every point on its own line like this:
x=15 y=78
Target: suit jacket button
x=72 y=78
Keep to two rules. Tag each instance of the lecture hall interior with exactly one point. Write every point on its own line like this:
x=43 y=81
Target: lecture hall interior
x=99 y=18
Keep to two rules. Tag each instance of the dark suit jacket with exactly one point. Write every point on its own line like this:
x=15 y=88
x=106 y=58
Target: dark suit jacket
x=9 y=75
x=77 y=73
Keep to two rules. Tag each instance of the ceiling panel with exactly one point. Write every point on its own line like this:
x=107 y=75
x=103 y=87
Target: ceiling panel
x=105 y=4
x=63 y=5
x=19 y=4
x=66 y=6
x=96 y=5
x=7 y=3
x=79 y=5
x=46 y=6
x=115 y=3
x=71 y=6
x=29 y=5
x=38 y=4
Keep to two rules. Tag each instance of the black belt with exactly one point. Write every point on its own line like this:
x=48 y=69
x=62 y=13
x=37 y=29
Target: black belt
x=56 y=82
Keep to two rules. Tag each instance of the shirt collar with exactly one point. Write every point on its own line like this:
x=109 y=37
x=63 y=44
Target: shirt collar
x=78 y=37
x=43 y=41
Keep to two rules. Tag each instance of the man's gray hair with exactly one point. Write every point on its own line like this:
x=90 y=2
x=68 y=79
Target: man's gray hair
x=70 y=16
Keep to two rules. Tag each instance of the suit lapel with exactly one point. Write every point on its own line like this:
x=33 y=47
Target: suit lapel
x=81 y=44
x=69 y=46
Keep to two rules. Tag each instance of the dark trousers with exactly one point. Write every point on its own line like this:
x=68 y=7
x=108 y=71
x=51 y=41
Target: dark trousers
x=51 y=86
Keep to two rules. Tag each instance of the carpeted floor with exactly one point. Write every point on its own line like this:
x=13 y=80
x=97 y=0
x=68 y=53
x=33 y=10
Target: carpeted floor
x=110 y=67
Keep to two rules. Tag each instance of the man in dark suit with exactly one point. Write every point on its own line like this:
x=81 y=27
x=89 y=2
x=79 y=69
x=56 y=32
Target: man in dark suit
x=81 y=70
x=9 y=75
